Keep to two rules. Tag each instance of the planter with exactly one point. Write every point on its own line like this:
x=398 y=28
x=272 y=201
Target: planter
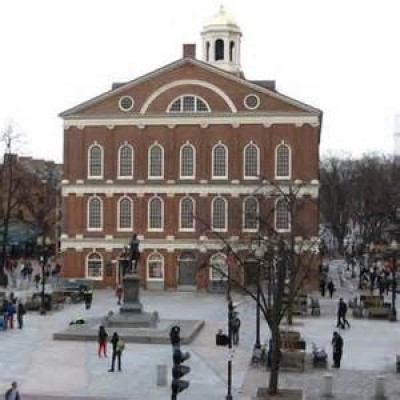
x=283 y=394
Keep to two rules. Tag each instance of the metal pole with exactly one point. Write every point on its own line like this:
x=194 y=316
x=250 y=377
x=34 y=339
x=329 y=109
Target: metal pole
x=258 y=345
x=394 y=284
x=42 y=310
x=230 y=319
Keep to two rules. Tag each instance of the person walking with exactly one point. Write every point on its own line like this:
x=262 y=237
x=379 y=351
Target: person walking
x=12 y=393
x=341 y=315
x=20 y=314
x=322 y=286
x=235 y=330
x=118 y=347
x=119 y=293
x=337 y=349
x=102 y=341
x=88 y=297
x=10 y=314
x=331 y=288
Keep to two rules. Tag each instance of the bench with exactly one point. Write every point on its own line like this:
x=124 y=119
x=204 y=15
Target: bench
x=378 y=312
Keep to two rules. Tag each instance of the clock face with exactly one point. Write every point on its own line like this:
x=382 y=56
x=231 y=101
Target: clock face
x=126 y=103
x=252 y=101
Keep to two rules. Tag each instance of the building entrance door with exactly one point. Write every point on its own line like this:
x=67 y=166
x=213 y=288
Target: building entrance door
x=187 y=270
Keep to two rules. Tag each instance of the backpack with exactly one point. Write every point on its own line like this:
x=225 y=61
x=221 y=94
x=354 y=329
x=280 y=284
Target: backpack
x=120 y=346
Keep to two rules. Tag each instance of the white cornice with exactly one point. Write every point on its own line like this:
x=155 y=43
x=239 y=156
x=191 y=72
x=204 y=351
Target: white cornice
x=310 y=189
x=202 y=120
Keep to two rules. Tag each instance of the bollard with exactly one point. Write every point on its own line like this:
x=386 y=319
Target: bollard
x=161 y=375
x=328 y=386
x=379 y=387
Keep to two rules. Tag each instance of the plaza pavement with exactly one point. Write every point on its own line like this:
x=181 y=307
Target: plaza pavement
x=50 y=370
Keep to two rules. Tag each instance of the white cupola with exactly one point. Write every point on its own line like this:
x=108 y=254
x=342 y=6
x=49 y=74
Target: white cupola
x=221 y=42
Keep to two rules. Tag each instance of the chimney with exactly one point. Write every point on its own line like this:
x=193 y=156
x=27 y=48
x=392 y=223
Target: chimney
x=189 y=51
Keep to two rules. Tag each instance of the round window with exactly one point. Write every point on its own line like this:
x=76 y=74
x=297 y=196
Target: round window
x=251 y=101
x=126 y=103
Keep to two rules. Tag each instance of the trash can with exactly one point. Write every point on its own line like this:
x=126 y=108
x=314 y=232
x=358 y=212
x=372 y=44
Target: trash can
x=161 y=375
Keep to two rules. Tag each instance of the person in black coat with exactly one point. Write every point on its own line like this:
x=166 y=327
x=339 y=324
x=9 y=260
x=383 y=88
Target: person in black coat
x=337 y=348
x=341 y=315
x=331 y=288
x=20 y=315
x=12 y=393
x=116 y=352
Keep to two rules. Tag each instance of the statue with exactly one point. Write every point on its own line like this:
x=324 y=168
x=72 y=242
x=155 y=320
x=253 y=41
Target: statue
x=134 y=253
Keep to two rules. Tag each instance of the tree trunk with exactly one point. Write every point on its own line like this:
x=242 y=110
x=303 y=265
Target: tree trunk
x=275 y=360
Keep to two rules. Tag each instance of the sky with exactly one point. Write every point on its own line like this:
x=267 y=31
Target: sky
x=339 y=56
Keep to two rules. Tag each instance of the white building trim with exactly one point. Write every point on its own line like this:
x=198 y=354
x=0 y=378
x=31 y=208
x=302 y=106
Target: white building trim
x=202 y=189
x=181 y=82
x=266 y=119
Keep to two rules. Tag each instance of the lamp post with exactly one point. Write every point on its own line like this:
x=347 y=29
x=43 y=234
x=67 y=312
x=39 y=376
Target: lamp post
x=42 y=243
x=259 y=253
x=393 y=255
x=230 y=321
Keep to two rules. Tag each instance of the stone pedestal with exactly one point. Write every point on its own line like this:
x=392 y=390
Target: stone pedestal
x=131 y=285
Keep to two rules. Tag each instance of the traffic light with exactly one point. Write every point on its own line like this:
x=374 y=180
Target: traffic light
x=178 y=370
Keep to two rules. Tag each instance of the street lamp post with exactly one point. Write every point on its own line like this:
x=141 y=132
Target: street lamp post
x=42 y=243
x=393 y=250
x=259 y=252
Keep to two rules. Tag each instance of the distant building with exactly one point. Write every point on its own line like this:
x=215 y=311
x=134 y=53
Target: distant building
x=194 y=137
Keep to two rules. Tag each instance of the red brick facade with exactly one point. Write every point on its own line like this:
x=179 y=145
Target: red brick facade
x=277 y=120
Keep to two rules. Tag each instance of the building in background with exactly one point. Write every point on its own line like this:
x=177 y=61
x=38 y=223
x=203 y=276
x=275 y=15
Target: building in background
x=396 y=136
x=192 y=138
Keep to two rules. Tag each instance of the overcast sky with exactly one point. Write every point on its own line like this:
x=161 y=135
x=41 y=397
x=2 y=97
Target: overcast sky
x=338 y=55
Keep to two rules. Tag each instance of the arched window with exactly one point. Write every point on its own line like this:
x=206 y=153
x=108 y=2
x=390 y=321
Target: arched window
x=283 y=161
x=282 y=218
x=218 y=267
x=125 y=214
x=95 y=214
x=188 y=103
x=219 y=214
x=186 y=214
x=155 y=267
x=95 y=162
x=94 y=266
x=156 y=162
x=231 y=51
x=219 y=49
x=156 y=214
x=220 y=162
x=208 y=51
x=251 y=161
x=187 y=161
x=250 y=214
x=125 y=162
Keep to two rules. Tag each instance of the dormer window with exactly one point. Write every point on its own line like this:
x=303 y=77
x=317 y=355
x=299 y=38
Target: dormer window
x=187 y=104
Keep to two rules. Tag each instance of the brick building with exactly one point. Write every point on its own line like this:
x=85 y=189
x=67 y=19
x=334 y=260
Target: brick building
x=194 y=137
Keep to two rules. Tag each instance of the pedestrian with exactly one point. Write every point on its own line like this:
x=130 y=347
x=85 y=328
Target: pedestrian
x=37 y=280
x=331 y=288
x=20 y=314
x=322 y=285
x=337 y=349
x=119 y=293
x=102 y=341
x=88 y=297
x=235 y=330
x=118 y=347
x=341 y=315
x=10 y=314
x=12 y=393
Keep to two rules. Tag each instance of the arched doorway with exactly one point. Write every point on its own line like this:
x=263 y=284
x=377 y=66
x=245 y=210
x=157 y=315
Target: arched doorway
x=187 y=270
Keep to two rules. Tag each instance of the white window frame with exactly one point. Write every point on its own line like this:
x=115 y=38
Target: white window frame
x=225 y=229
x=89 y=159
x=281 y=230
x=211 y=269
x=195 y=104
x=119 y=228
x=181 y=229
x=119 y=161
x=289 y=161
x=148 y=278
x=244 y=229
x=251 y=144
x=219 y=177
x=149 y=229
x=88 y=228
x=156 y=144
x=96 y=278
x=193 y=176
